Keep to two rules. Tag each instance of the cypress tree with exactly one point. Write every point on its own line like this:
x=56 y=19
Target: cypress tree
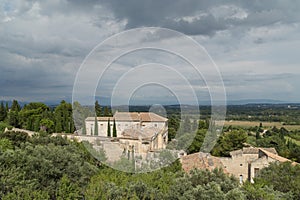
x=13 y=118
x=15 y=106
x=6 y=107
x=108 y=128
x=257 y=135
x=114 y=129
x=97 y=109
x=2 y=112
x=96 y=127
x=83 y=128
x=58 y=126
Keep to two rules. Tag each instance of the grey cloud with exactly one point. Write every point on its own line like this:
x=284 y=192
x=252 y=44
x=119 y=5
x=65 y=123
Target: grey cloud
x=40 y=50
x=170 y=14
x=248 y=79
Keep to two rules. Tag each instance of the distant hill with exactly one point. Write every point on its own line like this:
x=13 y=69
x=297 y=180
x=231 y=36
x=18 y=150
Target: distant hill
x=106 y=101
x=255 y=101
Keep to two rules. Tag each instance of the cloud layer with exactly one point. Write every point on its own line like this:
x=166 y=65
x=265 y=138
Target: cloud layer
x=254 y=43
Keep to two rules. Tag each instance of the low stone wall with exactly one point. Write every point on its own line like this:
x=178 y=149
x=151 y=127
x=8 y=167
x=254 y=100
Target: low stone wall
x=30 y=133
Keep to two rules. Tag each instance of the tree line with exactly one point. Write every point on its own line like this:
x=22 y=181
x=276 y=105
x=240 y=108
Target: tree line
x=54 y=168
x=37 y=116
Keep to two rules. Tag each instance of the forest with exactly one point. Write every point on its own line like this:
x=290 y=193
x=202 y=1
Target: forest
x=48 y=167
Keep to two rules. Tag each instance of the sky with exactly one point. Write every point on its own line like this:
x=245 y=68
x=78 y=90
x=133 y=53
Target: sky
x=254 y=44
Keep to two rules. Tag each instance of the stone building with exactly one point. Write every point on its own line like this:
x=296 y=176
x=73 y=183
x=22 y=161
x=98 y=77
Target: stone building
x=125 y=121
x=241 y=162
x=244 y=164
x=201 y=161
x=136 y=132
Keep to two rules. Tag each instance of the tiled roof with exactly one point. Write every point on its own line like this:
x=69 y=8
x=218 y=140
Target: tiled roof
x=144 y=134
x=151 y=117
x=132 y=116
x=271 y=150
x=275 y=157
x=251 y=150
x=127 y=116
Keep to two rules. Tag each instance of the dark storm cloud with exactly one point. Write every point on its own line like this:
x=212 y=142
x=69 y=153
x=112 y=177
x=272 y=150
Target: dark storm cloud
x=172 y=13
x=43 y=42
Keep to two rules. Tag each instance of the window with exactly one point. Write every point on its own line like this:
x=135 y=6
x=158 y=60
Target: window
x=101 y=124
x=241 y=165
x=241 y=178
x=155 y=125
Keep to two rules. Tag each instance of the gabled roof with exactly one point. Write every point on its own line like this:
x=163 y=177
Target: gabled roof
x=252 y=150
x=275 y=157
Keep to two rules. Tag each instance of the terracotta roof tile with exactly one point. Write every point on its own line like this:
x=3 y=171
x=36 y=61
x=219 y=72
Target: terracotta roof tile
x=274 y=156
x=132 y=116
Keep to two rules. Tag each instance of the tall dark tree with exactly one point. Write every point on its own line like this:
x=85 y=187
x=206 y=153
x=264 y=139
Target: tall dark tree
x=84 y=128
x=6 y=107
x=98 y=109
x=15 y=106
x=114 y=129
x=13 y=118
x=3 y=112
x=58 y=125
x=96 y=126
x=108 y=128
x=13 y=115
x=257 y=135
x=63 y=118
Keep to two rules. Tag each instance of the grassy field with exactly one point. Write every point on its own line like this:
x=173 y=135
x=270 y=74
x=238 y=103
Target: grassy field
x=292 y=140
x=247 y=124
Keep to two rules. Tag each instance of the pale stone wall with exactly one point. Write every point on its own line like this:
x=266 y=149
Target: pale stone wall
x=102 y=127
x=29 y=133
x=238 y=164
x=122 y=125
x=159 y=125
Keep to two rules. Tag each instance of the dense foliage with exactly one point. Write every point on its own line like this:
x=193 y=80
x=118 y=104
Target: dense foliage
x=38 y=166
x=44 y=167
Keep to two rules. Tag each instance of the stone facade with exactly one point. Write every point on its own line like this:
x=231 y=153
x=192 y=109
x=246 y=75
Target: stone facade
x=126 y=121
x=201 y=161
x=244 y=164
x=138 y=132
